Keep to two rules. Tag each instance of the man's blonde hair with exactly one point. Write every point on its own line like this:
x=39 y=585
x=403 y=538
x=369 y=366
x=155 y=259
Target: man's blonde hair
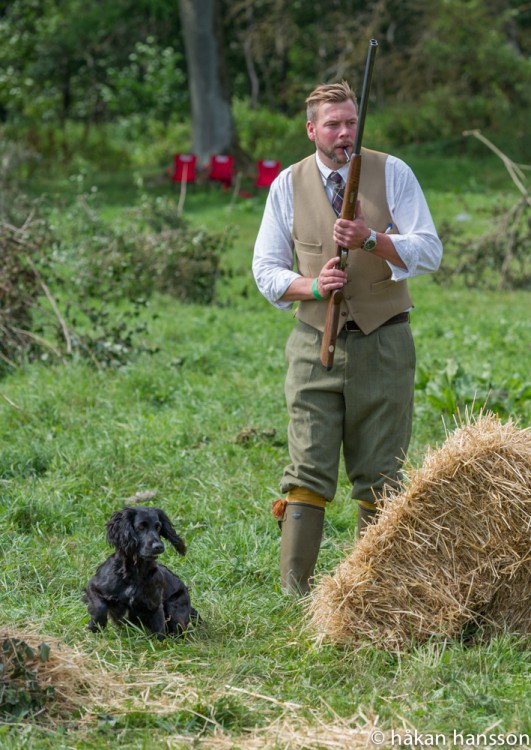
x=327 y=93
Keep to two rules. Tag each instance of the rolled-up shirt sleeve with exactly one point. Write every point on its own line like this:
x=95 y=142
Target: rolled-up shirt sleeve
x=414 y=235
x=273 y=257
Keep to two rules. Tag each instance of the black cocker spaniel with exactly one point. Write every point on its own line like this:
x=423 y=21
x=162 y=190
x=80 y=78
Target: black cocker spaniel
x=131 y=585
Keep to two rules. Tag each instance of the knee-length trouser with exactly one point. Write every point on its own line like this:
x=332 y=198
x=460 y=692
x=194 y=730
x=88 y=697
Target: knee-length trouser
x=365 y=403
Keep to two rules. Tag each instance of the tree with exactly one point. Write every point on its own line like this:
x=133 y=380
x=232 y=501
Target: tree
x=443 y=65
x=212 y=122
x=83 y=60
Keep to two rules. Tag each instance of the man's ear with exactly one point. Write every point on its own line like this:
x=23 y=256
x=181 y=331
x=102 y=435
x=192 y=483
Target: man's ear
x=310 y=130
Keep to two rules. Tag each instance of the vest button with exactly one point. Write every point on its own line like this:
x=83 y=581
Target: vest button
x=344 y=314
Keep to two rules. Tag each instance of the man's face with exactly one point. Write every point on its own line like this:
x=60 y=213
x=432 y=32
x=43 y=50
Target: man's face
x=333 y=130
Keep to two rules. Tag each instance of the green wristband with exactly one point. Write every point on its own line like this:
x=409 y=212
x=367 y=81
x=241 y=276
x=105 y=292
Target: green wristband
x=315 y=290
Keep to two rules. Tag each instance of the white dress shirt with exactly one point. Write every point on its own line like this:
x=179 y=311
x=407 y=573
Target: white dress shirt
x=417 y=242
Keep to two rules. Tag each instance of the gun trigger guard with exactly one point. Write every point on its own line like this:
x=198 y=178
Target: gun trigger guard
x=343 y=258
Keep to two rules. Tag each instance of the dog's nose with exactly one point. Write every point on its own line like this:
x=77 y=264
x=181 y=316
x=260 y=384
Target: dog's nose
x=157 y=548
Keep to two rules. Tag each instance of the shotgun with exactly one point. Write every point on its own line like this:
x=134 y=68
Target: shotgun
x=348 y=211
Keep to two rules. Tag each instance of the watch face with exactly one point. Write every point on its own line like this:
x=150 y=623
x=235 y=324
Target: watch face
x=369 y=244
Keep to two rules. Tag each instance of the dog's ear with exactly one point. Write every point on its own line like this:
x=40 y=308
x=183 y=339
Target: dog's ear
x=120 y=530
x=169 y=533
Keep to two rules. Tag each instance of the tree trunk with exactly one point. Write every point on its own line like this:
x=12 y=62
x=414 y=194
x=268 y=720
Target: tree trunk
x=212 y=123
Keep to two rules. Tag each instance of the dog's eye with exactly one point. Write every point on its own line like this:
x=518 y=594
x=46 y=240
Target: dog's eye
x=142 y=526
x=158 y=527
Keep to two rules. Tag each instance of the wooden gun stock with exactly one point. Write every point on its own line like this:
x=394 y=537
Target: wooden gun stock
x=328 y=346
x=348 y=211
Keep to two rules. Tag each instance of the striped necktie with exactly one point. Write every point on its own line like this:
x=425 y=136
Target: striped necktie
x=339 y=192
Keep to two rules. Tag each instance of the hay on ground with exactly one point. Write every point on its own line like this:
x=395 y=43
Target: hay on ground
x=452 y=548
x=293 y=733
x=57 y=682
x=41 y=674
x=84 y=687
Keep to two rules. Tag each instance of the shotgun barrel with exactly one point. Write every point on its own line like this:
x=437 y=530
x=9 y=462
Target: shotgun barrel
x=348 y=211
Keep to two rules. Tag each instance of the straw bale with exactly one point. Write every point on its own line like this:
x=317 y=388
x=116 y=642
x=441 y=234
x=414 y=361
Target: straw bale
x=452 y=547
x=510 y=607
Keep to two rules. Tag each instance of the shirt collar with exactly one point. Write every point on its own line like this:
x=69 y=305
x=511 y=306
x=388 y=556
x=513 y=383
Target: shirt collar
x=326 y=171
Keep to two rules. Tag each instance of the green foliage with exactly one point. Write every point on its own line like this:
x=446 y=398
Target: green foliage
x=450 y=389
x=464 y=72
x=270 y=135
x=14 y=160
x=150 y=250
x=109 y=338
x=442 y=67
x=21 y=691
x=149 y=142
x=71 y=59
x=498 y=259
x=103 y=274
x=20 y=282
x=151 y=82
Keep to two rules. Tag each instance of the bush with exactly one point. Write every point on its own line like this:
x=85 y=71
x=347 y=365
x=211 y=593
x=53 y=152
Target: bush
x=269 y=135
x=98 y=280
x=20 y=289
x=21 y=691
x=450 y=389
x=154 y=250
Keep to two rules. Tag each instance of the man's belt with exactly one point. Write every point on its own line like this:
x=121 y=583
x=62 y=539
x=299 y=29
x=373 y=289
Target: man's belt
x=402 y=317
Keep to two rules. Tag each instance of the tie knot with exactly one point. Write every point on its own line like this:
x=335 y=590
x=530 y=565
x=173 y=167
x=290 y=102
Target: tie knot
x=336 y=178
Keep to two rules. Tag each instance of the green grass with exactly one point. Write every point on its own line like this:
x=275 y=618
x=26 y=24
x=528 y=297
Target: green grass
x=76 y=442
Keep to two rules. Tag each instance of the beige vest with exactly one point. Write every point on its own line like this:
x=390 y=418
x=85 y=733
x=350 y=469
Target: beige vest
x=370 y=296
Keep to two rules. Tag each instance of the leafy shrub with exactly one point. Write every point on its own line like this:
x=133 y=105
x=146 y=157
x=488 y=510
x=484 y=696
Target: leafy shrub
x=20 y=288
x=102 y=275
x=498 y=259
x=153 y=251
x=450 y=389
x=106 y=335
x=270 y=135
x=21 y=692
x=31 y=321
x=152 y=81
x=22 y=238
x=14 y=160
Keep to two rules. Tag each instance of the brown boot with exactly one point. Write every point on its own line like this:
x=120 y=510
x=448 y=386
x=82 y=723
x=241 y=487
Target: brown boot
x=366 y=516
x=302 y=530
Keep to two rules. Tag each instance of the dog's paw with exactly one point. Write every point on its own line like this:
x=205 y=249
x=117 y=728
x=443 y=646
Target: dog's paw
x=95 y=627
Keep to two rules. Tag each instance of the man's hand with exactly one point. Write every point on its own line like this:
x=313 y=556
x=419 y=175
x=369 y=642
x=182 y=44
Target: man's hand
x=351 y=234
x=330 y=278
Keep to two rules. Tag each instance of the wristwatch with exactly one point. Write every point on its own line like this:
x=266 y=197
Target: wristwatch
x=370 y=243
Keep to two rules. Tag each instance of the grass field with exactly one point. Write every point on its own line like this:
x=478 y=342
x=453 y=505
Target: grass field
x=202 y=422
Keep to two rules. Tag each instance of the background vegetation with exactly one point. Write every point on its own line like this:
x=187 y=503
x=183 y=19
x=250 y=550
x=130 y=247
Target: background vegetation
x=120 y=373
x=443 y=66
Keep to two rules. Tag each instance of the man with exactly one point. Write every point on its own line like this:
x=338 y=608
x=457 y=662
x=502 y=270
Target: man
x=365 y=402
